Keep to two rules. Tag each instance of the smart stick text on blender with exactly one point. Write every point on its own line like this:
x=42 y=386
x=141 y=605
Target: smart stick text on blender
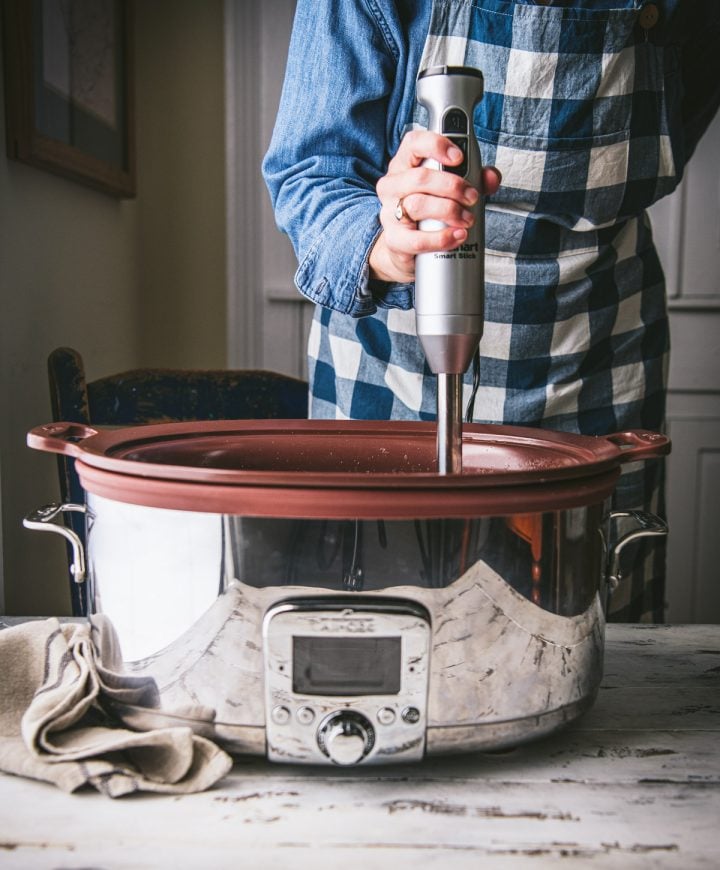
x=449 y=285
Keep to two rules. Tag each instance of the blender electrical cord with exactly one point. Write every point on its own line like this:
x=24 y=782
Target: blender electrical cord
x=470 y=410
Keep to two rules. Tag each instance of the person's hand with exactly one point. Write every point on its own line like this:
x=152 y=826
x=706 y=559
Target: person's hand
x=422 y=193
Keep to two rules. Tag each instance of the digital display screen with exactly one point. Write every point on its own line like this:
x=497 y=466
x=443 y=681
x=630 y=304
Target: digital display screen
x=346 y=665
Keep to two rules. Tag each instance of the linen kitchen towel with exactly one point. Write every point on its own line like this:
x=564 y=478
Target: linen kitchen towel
x=57 y=723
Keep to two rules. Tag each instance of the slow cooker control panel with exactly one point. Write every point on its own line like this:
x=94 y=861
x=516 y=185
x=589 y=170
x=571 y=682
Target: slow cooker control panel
x=346 y=680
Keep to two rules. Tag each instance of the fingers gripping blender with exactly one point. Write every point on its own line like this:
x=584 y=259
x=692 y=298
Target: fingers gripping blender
x=449 y=285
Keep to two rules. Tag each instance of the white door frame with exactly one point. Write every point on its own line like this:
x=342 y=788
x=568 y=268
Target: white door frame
x=243 y=183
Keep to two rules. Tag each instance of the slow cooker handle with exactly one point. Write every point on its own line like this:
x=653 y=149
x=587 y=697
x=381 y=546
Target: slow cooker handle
x=645 y=525
x=62 y=438
x=637 y=444
x=42 y=518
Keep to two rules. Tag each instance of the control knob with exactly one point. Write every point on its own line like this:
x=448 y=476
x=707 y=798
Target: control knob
x=346 y=737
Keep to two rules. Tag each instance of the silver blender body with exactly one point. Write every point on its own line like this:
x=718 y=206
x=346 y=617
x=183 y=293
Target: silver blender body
x=449 y=285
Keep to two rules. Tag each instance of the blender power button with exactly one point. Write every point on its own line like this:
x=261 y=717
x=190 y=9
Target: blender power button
x=455 y=121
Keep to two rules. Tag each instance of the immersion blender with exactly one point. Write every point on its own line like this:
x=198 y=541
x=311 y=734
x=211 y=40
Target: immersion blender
x=449 y=285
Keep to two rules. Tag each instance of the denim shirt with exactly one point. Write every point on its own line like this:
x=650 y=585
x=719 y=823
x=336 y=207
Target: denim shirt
x=348 y=97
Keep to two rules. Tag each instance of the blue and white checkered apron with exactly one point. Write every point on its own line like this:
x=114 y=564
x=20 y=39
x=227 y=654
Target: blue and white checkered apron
x=576 y=334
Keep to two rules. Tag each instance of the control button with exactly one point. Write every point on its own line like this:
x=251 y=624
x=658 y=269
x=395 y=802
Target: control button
x=386 y=715
x=280 y=715
x=455 y=121
x=305 y=715
x=649 y=16
x=411 y=715
x=462 y=144
x=346 y=738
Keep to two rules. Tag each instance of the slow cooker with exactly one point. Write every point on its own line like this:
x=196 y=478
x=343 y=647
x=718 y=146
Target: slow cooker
x=316 y=592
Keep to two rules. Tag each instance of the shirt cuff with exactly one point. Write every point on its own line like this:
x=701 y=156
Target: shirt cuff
x=343 y=283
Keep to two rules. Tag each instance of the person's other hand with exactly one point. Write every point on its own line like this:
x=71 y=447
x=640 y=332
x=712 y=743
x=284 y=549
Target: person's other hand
x=424 y=193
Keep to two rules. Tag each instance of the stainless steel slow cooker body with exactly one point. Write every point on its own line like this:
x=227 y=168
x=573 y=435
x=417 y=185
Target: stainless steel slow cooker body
x=316 y=593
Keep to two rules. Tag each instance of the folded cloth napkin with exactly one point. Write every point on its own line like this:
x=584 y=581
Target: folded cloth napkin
x=57 y=725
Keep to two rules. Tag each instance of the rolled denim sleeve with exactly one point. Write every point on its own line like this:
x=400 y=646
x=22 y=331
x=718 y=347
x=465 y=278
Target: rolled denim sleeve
x=331 y=143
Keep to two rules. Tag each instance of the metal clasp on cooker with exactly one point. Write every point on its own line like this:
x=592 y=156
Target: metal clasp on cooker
x=645 y=525
x=42 y=519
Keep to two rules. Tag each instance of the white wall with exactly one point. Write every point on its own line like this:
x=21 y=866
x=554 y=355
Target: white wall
x=68 y=275
x=127 y=283
x=181 y=183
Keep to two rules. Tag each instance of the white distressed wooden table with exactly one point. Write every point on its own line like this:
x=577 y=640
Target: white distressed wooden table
x=636 y=783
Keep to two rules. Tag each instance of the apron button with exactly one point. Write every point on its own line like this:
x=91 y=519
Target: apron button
x=649 y=16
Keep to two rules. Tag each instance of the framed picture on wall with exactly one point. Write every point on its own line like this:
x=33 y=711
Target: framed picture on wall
x=69 y=89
